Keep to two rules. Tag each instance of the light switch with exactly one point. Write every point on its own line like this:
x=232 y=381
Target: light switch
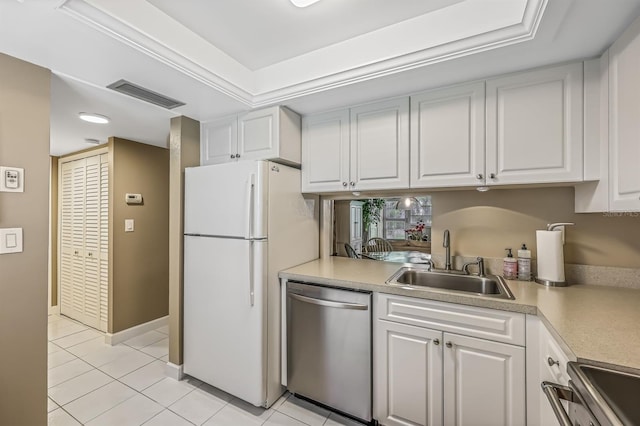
x=10 y=240
x=128 y=225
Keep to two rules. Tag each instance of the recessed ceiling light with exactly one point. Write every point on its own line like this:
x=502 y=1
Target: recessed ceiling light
x=93 y=118
x=303 y=3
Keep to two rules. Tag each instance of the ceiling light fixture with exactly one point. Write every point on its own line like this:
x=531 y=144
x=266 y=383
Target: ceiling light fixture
x=92 y=141
x=303 y=3
x=93 y=118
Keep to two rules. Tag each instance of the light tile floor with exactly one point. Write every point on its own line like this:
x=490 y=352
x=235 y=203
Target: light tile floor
x=92 y=383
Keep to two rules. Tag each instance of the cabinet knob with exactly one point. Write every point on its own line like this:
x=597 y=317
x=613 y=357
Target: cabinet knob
x=233 y=156
x=90 y=254
x=75 y=252
x=436 y=342
x=449 y=344
x=479 y=176
x=552 y=362
x=237 y=155
x=352 y=183
x=344 y=184
x=492 y=175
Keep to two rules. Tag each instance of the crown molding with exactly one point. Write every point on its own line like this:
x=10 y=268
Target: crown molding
x=100 y=20
x=328 y=68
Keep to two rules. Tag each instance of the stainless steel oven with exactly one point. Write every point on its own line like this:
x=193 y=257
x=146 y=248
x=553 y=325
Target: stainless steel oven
x=329 y=347
x=597 y=396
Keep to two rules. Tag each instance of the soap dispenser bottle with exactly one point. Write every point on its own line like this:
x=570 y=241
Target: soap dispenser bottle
x=524 y=263
x=510 y=266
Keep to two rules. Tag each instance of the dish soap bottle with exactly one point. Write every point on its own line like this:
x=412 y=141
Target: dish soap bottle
x=524 y=263
x=510 y=266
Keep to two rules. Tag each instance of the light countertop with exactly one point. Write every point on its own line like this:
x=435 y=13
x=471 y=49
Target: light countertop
x=598 y=324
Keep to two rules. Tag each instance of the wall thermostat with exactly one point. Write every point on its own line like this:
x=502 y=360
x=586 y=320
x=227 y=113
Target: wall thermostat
x=133 y=198
x=11 y=179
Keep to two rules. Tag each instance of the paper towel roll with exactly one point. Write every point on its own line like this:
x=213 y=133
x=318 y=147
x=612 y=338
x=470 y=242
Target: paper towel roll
x=550 y=255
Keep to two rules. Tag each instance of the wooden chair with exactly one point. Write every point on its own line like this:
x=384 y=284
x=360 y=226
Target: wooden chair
x=351 y=252
x=377 y=245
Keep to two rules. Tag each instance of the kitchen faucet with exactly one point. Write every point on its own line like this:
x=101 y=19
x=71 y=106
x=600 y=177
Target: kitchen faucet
x=446 y=243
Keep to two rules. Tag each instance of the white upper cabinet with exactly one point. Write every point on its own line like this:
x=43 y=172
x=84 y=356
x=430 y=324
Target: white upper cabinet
x=219 y=140
x=266 y=134
x=534 y=126
x=365 y=148
x=380 y=145
x=624 y=121
x=447 y=136
x=325 y=152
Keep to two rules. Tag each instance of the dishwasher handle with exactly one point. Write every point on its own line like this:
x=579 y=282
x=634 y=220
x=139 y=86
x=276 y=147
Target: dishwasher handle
x=328 y=303
x=554 y=393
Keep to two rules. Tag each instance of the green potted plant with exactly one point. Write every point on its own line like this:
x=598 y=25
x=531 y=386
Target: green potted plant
x=371 y=213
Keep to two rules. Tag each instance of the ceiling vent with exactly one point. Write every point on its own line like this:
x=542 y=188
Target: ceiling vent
x=128 y=88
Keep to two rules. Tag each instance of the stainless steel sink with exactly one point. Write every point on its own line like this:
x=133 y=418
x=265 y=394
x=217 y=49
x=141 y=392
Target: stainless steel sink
x=611 y=395
x=489 y=285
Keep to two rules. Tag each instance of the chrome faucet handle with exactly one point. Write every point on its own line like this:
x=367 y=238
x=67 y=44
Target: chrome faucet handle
x=430 y=263
x=480 y=262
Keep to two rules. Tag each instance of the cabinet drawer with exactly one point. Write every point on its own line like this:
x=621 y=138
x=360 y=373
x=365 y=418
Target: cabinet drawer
x=490 y=324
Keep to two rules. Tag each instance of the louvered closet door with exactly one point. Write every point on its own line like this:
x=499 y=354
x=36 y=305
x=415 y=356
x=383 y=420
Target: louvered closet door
x=66 y=237
x=104 y=242
x=84 y=241
x=91 y=305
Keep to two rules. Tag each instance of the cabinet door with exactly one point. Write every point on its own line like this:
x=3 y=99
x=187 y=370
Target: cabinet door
x=408 y=375
x=325 y=152
x=552 y=362
x=258 y=134
x=624 y=125
x=447 y=137
x=218 y=141
x=380 y=145
x=484 y=382
x=534 y=126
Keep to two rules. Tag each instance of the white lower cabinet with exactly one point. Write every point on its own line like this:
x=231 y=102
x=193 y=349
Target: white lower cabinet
x=408 y=363
x=546 y=361
x=428 y=376
x=484 y=382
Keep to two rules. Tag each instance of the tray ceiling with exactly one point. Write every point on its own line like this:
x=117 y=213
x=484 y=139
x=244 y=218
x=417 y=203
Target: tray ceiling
x=221 y=57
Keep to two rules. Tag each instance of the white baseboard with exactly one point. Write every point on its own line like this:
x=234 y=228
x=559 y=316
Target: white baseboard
x=54 y=310
x=121 y=336
x=174 y=371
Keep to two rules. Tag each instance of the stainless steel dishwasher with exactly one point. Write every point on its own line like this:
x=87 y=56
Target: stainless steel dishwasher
x=329 y=347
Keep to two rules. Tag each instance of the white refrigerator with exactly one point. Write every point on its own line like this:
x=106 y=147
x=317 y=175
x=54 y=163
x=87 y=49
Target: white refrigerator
x=244 y=222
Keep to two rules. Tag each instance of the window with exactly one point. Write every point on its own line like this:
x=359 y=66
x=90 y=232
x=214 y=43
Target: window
x=401 y=214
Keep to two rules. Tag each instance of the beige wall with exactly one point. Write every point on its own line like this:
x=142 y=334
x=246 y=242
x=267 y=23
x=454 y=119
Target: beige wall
x=483 y=224
x=24 y=142
x=184 y=145
x=140 y=284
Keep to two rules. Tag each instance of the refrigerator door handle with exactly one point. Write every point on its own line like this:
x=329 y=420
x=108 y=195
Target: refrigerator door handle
x=251 y=274
x=249 y=212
